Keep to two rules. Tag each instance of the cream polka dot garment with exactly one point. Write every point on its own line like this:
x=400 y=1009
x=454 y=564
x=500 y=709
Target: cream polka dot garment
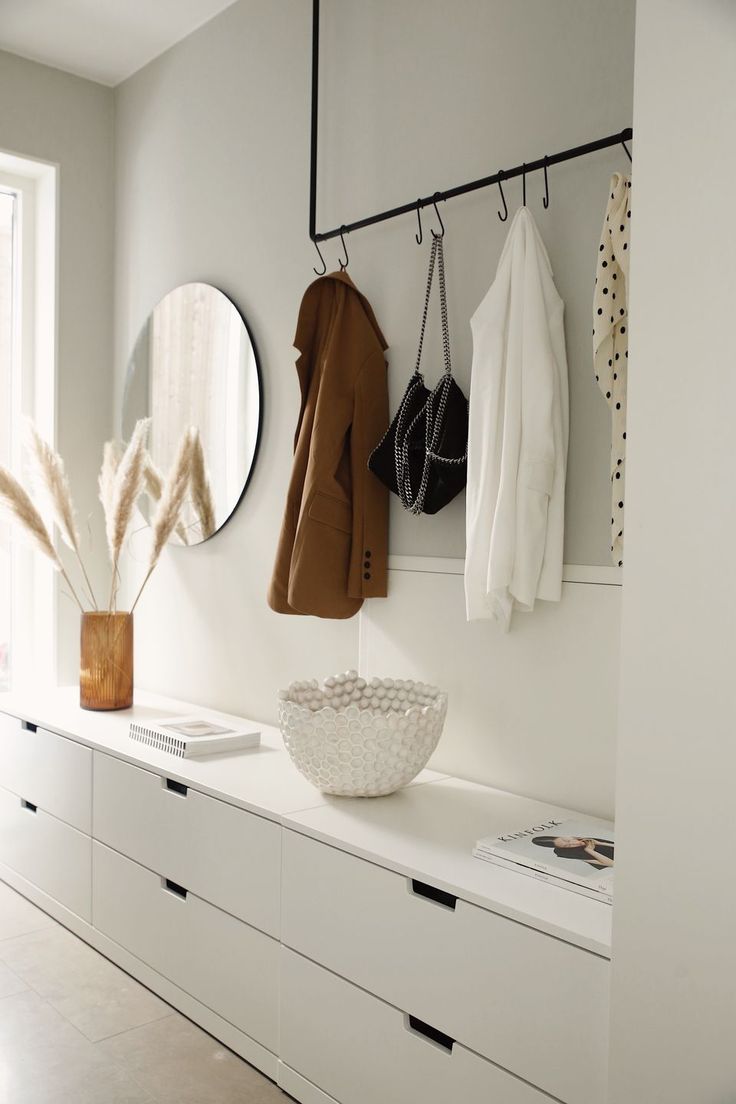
x=611 y=340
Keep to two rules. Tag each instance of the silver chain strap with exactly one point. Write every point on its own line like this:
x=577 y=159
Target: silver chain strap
x=433 y=421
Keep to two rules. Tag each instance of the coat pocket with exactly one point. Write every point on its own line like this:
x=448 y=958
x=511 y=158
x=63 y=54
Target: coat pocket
x=332 y=511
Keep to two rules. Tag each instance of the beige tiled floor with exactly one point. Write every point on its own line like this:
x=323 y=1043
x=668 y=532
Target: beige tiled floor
x=74 y=1029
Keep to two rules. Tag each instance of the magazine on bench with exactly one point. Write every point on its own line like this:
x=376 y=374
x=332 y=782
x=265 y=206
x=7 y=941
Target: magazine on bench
x=579 y=852
x=188 y=737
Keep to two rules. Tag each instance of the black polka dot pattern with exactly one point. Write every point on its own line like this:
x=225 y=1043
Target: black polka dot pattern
x=610 y=340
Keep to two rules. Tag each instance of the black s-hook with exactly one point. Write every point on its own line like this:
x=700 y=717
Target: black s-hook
x=439 y=217
x=523 y=185
x=324 y=263
x=505 y=214
x=343 y=264
x=545 y=201
x=419 y=238
x=628 y=154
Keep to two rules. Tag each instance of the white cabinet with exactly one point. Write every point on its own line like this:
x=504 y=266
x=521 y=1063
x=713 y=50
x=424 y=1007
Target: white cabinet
x=225 y=855
x=47 y=852
x=227 y=965
x=354 y=944
x=532 y=1003
x=46 y=812
x=360 y=1050
x=50 y=771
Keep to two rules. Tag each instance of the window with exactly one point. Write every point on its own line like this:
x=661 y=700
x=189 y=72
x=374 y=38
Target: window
x=27 y=358
x=8 y=276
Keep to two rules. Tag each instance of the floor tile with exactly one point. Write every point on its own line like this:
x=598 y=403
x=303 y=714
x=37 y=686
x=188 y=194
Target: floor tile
x=18 y=916
x=88 y=990
x=180 y=1064
x=44 y=1060
x=10 y=983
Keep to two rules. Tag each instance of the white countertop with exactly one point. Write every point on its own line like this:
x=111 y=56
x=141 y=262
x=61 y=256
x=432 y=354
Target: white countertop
x=426 y=830
x=261 y=780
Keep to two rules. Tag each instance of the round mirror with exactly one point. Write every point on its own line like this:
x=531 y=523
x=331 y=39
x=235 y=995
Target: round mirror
x=194 y=364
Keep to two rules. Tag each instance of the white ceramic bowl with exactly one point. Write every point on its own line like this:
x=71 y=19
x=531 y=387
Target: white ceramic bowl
x=358 y=738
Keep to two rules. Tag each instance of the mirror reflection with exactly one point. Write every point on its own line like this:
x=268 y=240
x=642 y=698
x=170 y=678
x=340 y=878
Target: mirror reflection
x=194 y=364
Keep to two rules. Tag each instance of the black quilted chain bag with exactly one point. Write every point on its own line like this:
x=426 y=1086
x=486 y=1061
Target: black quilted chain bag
x=423 y=456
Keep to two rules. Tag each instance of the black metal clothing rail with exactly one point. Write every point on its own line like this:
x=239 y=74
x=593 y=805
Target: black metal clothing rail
x=461 y=189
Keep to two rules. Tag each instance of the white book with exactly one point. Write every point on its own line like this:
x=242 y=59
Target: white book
x=188 y=737
x=571 y=848
x=540 y=875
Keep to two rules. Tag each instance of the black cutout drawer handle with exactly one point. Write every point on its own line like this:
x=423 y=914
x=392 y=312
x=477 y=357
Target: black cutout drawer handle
x=428 y=1032
x=439 y=896
x=175 y=888
x=28 y=805
x=177 y=787
x=28 y=726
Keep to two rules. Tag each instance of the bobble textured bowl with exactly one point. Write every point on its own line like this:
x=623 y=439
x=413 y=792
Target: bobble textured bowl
x=357 y=738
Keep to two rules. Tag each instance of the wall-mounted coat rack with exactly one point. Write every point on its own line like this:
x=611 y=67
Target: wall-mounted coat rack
x=620 y=138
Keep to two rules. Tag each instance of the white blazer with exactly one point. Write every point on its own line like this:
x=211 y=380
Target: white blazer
x=517 y=447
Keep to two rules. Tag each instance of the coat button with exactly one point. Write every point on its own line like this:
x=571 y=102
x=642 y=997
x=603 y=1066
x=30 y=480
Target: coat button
x=367 y=553
x=367 y=575
x=366 y=564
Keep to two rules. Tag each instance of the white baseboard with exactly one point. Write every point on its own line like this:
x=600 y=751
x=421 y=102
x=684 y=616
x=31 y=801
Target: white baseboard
x=297 y=1086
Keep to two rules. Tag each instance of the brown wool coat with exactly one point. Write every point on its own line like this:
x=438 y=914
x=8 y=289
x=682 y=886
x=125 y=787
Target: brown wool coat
x=333 y=548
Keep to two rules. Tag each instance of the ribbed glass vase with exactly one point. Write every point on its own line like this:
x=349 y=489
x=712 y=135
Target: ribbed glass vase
x=106 y=661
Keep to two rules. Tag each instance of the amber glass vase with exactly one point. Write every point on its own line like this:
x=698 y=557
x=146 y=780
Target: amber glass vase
x=106 y=661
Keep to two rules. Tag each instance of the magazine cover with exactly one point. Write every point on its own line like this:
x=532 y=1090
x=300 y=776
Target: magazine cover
x=580 y=850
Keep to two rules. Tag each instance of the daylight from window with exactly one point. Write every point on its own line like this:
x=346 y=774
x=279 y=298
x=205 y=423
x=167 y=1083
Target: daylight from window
x=7 y=211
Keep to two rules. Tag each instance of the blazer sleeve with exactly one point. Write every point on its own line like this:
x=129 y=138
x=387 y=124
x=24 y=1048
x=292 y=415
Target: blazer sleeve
x=368 y=577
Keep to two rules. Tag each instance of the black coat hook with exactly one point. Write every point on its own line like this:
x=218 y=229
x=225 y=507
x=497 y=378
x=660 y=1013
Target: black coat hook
x=419 y=238
x=439 y=217
x=545 y=201
x=628 y=154
x=324 y=263
x=343 y=264
x=505 y=214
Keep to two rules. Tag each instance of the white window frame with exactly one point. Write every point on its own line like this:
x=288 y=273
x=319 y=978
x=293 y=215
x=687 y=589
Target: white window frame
x=35 y=593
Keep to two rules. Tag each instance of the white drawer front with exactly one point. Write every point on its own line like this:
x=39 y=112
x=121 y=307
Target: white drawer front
x=222 y=962
x=49 y=770
x=225 y=855
x=49 y=853
x=361 y=1051
x=532 y=1003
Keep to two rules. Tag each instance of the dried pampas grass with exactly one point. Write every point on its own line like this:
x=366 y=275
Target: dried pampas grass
x=49 y=477
x=154 y=479
x=106 y=479
x=201 y=490
x=126 y=489
x=122 y=479
x=154 y=489
x=15 y=502
x=173 y=493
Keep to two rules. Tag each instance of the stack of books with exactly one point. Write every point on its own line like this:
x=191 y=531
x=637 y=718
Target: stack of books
x=573 y=854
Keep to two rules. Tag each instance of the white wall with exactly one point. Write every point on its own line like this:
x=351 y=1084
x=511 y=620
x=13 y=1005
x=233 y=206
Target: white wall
x=533 y=712
x=212 y=148
x=211 y=141
x=674 y=964
x=422 y=95
x=62 y=119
